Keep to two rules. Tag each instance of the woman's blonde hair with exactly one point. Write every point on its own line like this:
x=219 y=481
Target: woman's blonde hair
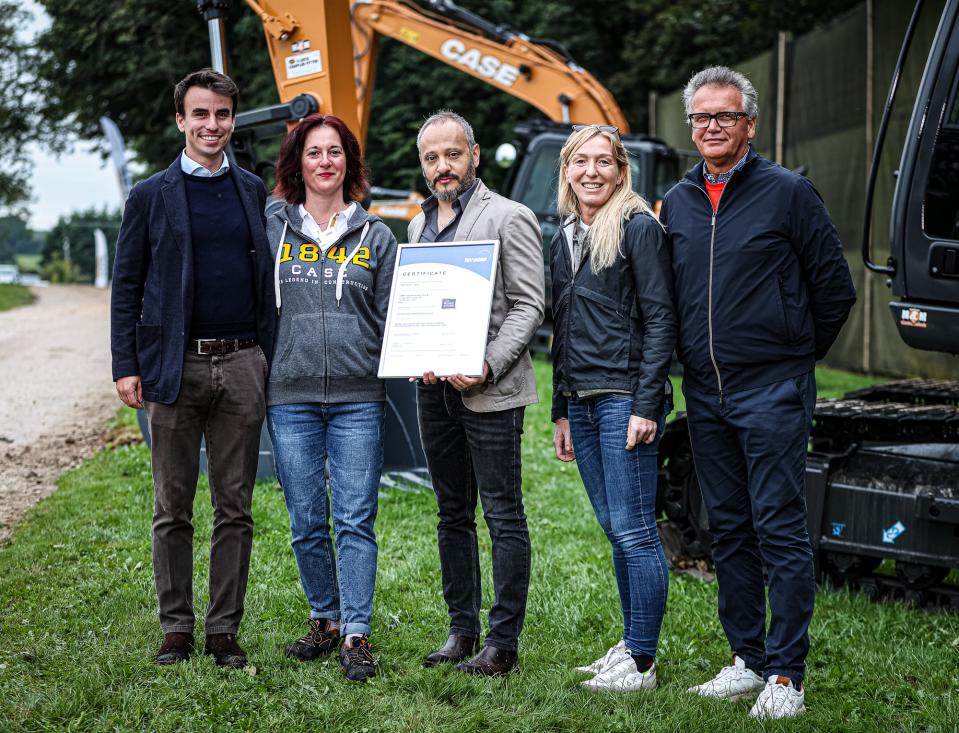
x=606 y=231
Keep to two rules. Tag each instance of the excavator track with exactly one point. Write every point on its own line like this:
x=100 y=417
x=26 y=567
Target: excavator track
x=905 y=411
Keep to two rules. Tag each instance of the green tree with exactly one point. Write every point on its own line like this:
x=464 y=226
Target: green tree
x=18 y=121
x=73 y=234
x=15 y=236
x=121 y=58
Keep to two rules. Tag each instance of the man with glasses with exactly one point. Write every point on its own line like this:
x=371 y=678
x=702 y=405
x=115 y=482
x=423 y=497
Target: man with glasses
x=762 y=291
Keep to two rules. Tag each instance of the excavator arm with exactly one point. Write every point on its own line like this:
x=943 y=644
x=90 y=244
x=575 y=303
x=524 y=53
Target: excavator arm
x=311 y=50
x=531 y=70
x=315 y=45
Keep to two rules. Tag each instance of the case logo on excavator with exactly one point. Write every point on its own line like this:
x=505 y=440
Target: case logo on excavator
x=472 y=58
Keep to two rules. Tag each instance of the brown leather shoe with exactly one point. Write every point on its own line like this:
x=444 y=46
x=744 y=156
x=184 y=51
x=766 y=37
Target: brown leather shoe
x=456 y=649
x=176 y=647
x=225 y=651
x=491 y=662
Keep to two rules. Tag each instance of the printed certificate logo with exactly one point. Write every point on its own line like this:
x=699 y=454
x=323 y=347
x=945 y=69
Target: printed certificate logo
x=449 y=303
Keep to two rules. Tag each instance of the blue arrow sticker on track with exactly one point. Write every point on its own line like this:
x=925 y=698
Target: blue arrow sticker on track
x=889 y=536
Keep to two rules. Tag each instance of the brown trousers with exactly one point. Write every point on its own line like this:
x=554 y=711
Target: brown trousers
x=223 y=399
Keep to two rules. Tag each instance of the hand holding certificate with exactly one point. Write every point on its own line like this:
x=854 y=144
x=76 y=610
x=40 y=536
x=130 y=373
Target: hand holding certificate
x=439 y=309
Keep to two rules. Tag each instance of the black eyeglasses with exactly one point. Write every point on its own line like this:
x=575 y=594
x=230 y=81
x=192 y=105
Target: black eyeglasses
x=723 y=119
x=602 y=128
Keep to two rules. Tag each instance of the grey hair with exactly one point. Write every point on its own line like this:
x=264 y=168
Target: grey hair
x=447 y=115
x=722 y=76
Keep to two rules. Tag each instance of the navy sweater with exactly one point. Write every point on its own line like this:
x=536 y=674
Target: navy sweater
x=224 y=301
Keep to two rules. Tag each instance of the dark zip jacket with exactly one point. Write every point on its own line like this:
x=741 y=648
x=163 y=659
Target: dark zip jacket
x=615 y=329
x=762 y=287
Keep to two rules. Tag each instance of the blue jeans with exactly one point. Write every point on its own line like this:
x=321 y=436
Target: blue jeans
x=750 y=456
x=621 y=485
x=351 y=436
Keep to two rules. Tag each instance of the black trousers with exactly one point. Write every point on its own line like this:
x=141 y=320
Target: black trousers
x=472 y=454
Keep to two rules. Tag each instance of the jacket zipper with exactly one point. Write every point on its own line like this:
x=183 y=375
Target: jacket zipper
x=709 y=289
x=569 y=309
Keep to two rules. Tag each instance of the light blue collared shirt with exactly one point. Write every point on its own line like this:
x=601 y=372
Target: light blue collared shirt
x=191 y=167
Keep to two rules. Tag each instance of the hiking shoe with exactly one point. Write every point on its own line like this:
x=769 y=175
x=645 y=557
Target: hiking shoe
x=623 y=677
x=614 y=656
x=732 y=683
x=176 y=647
x=357 y=660
x=319 y=640
x=225 y=651
x=779 y=699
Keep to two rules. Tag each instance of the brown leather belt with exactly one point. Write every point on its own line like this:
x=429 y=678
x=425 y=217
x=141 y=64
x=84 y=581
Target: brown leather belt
x=218 y=347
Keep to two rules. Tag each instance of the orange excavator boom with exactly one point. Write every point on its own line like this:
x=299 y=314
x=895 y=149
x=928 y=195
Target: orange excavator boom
x=327 y=49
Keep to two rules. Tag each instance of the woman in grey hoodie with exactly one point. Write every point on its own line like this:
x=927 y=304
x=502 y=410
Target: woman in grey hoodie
x=332 y=275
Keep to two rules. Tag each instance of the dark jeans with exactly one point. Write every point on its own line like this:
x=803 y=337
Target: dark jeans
x=470 y=453
x=750 y=455
x=221 y=398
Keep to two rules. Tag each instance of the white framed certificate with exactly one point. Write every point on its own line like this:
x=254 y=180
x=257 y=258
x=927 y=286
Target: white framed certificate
x=439 y=309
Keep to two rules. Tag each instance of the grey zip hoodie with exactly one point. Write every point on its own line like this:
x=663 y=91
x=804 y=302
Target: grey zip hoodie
x=332 y=307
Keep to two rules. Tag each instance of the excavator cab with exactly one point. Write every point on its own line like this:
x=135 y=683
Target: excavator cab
x=925 y=214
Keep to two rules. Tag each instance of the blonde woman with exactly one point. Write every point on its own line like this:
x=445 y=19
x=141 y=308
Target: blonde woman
x=614 y=333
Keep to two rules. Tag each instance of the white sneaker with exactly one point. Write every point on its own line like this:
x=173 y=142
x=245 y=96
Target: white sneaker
x=732 y=683
x=623 y=677
x=778 y=700
x=613 y=657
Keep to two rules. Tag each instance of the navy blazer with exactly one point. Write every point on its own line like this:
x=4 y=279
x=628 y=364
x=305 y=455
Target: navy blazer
x=152 y=298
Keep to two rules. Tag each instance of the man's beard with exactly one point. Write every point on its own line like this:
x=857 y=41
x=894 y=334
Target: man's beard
x=452 y=194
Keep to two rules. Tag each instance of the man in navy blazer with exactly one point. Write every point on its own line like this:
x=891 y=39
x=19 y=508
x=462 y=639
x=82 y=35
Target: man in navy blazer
x=192 y=321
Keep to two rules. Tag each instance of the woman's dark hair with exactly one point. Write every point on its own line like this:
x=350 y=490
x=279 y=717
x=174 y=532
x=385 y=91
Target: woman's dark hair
x=289 y=178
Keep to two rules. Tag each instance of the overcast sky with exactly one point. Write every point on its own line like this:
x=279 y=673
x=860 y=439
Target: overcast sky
x=73 y=182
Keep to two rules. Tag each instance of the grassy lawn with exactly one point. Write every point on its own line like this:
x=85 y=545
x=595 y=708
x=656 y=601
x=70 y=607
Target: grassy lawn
x=12 y=296
x=78 y=628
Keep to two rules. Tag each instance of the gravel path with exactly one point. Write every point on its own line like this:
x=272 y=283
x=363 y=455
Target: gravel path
x=56 y=392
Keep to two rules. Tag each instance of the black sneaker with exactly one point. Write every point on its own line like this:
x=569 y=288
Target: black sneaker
x=319 y=640
x=357 y=660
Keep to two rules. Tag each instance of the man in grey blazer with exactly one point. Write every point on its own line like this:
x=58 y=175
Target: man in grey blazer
x=192 y=323
x=471 y=427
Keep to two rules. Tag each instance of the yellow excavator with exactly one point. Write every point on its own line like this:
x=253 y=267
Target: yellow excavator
x=320 y=67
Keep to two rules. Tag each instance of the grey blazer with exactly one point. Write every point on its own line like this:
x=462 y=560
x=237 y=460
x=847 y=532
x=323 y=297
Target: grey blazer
x=518 y=298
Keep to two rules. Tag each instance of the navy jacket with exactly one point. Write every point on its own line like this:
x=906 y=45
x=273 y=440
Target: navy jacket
x=153 y=280
x=617 y=329
x=762 y=288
